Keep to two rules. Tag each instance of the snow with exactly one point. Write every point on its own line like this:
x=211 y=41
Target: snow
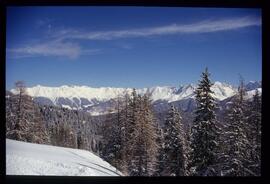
x=89 y=105
x=221 y=91
x=66 y=106
x=104 y=94
x=251 y=93
x=36 y=159
x=251 y=85
x=96 y=113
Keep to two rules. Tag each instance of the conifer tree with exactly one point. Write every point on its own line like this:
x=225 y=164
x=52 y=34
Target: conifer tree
x=161 y=156
x=39 y=133
x=123 y=118
x=19 y=132
x=237 y=155
x=10 y=113
x=205 y=132
x=149 y=135
x=111 y=137
x=141 y=136
x=131 y=131
x=65 y=135
x=255 y=133
x=27 y=124
x=175 y=145
x=116 y=147
x=80 y=136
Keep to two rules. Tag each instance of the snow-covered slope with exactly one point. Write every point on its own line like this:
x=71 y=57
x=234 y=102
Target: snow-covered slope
x=36 y=159
x=251 y=93
x=97 y=100
x=223 y=90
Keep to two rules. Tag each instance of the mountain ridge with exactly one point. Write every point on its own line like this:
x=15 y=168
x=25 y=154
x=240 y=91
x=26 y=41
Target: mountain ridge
x=98 y=100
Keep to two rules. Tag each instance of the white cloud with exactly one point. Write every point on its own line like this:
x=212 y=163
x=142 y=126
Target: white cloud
x=207 y=26
x=54 y=48
x=51 y=48
x=62 y=42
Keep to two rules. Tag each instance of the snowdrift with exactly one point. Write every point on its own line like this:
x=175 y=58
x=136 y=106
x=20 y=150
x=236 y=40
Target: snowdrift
x=36 y=159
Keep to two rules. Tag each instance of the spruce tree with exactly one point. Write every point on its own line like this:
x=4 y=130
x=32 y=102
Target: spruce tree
x=256 y=135
x=175 y=145
x=205 y=132
x=253 y=114
x=237 y=155
x=131 y=132
x=111 y=140
x=161 y=156
x=123 y=134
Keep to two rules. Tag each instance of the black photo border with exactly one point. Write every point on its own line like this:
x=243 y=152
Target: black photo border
x=145 y=3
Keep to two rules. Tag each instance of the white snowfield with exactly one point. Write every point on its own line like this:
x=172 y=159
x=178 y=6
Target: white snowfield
x=37 y=159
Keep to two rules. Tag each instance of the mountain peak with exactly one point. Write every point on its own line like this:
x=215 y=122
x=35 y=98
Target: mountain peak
x=251 y=85
x=168 y=93
x=96 y=99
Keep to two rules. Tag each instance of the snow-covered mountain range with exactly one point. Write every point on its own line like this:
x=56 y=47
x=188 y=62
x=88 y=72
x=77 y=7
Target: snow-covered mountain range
x=98 y=100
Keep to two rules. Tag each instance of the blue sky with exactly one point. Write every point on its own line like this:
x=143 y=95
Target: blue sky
x=131 y=46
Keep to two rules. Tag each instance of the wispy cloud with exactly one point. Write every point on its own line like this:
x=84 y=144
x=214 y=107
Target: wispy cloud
x=63 y=43
x=51 y=48
x=46 y=49
x=90 y=51
x=206 y=26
